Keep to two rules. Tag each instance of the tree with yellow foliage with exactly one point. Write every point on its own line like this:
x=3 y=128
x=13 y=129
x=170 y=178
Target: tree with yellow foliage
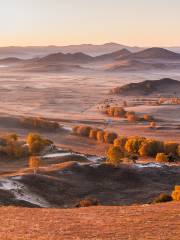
x=114 y=155
x=34 y=163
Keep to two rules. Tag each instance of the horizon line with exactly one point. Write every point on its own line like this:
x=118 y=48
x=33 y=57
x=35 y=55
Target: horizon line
x=91 y=44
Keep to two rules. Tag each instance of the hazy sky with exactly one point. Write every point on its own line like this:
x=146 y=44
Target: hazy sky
x=63 y=22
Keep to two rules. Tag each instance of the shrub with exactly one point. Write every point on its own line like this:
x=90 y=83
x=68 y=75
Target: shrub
x=114 y=155
x=151 y=148
x=133 y=157
x=131 y=117
x=11 y=147
x=75 y=129
x=176 y=193
x=173 y=157
x=37 y=143
x=170 y=148
x=100 y=136
x=110 y=111
x=153 y=125
x=133 y=144
x=115 y=111
x=84 y=131
x=178 y=150
x=161 y=157
x=93 y=133
x=120 y=142
x=109 y=137
x=163 y=197
x=119 y=112
x=87 y=202
x=148 y=118
x=40 y=123
x=14 y=149
x=12 y=136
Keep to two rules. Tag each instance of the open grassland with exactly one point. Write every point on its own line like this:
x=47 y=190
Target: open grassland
x=158 y=221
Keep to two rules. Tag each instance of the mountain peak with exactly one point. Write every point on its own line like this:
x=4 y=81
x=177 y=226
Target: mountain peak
x=156 y=52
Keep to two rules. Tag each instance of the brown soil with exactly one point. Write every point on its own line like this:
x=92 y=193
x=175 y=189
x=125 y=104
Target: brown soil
x=146 y=222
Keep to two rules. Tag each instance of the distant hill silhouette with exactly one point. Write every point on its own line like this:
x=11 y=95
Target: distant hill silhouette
x=166 y=86
x=75 y=58
x=11 y=60
x=155 y=53
x=112 y=56
x=134 y=65
x=41 y=51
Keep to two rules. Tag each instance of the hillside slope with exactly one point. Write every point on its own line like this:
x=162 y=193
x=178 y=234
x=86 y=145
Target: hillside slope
x=65 y=184
x=164 y=86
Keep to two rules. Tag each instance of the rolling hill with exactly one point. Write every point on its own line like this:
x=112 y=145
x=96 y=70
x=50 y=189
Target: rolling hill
x=165 y=86
x=155 y=53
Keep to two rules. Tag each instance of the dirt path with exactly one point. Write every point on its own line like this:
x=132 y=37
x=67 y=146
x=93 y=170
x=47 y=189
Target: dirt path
x=159 y=222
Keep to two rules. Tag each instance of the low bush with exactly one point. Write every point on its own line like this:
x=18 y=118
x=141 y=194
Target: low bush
x=133 y=157
x=110 y=111
x=119 y=112
x=163 y=197
x=93 y=133
x=162 y=157
x=131 y=117
x=87 y=202
x=178 y=150
x=148 y=118
x=152 y=125
x=150 y=148
x=40 y=123
x=10 y=146
x=120 y=142
x=109 y=137
x=100 y=136
x=170 y=148
x=75 y=129
x=115 y=111
x=176 y=193
x=83 y=131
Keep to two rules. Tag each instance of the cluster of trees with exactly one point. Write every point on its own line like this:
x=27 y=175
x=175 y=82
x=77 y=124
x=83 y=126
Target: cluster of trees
x=131 y=147
x=95 y=133
x=140 y=146
x=11 y=146
x=40 y=123
x=131 y=116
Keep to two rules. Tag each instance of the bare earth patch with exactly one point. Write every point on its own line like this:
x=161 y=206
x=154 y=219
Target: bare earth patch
x=159 y=222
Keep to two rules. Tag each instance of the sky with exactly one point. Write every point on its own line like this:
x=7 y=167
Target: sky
x=64 y=22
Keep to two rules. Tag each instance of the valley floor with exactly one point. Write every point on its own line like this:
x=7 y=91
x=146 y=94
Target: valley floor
x=158 y=221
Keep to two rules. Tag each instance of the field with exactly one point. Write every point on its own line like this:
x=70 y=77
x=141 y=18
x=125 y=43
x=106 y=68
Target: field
x=145 y=222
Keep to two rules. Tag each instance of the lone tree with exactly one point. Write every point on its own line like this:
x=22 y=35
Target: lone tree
x=34 y=163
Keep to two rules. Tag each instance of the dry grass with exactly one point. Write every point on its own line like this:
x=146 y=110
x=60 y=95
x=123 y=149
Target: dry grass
x=155 y=222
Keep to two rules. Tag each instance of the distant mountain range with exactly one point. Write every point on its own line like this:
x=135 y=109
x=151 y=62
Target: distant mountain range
x=41 y=51
x=90 y=49
x=123 y=59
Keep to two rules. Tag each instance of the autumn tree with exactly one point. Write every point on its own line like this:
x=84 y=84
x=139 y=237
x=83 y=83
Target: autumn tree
x=34 y=163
